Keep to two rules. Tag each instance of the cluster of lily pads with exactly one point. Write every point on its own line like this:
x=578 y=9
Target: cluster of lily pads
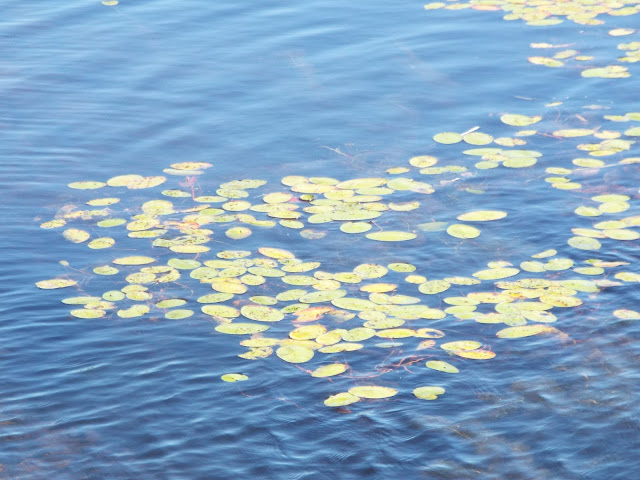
x=315 y=316
x=550 y=12
x=553 y=12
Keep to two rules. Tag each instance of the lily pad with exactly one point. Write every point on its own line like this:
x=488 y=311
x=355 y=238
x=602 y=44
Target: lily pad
x=372 y=391
x=463 y=231
x=341 y=399
x=391 y=236
x=428 y=392
x=442 y=366
x=294 y=354
x=241 y=328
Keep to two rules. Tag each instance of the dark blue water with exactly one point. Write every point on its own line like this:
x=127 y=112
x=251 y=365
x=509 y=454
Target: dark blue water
x=265 y=90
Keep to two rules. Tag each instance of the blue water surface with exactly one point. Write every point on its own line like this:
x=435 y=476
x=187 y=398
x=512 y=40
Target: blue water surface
x=317 y=88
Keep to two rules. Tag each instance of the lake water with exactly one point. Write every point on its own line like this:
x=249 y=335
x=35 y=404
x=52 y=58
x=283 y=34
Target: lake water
x=318 y=89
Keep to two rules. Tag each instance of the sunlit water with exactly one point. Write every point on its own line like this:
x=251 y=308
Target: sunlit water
x=317 y=88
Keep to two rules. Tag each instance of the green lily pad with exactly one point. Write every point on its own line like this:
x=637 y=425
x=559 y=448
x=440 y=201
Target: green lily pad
x=428 y=392
x=391 y=236
x=234 y=377
x=372 y=391
x=329 y=370
x=178 y=314
x=447 y=138
x=517 y=120
x=341 y=399
x=241 y=328
x=442 y=366
x=262 y=313
x=55 y=283
x=294 y=354
x=463 y=231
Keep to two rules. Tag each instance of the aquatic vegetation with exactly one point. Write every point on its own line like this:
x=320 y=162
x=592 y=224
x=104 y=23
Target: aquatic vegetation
x=554 y=12
x=315 y=317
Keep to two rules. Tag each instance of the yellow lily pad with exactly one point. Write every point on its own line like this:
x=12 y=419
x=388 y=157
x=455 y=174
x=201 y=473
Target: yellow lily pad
x=517 y=120
x=462 y=231
x=372 y=391
x=294 y=354
x=76 y=235
x=391 y=236
x=234 y=377
x=428 y=392
x=482 y=216
x=134 y=260
x=525 y=331
x=442 y=366
x=262 y=313
x=341 y=399
x=241 y=328
x=329 y=370
x=55 y=283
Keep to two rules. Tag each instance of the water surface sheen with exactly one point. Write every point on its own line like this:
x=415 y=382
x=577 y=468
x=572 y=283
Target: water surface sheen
x=264 y=90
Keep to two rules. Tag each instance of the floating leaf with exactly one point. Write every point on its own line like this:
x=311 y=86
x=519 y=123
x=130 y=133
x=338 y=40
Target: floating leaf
x=294 y=354
x=341 y=399
x=442 y=366
x=525 y=331
x=257 y=353
x=626 y=314
x=428 y=393
x=433 y=287
x=76 y=235
x=55 y=283
x=241 y=328
x=276 y=253
x=134 y=311
x=329 y=370
x=171 y=302
x=262 y=313
x=463 y=231
x=178 y=314
x=477 y=138
x=517 y=120
x=234 y=377
x=103 y=242
x=391 y=236
x=53 y=223
x=105 y=270
x=447 y=138
x=355 y=227
x=368 y=270
x=134 y=260
x=372 y=391
x=496 y=273
x=87 y=185
x=546 y=61
x=461 y=345
x=308 y=332
x=475 y=354
x=88 y=313
x=482 y=216
x=584 y=243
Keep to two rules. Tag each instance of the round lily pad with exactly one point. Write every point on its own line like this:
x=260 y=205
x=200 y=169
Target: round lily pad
x=294 y=354
x=442 y=366
x=234 y=377
x=341 y=399
x=391 y=236
x=262 y=313
x=463 y=231
x=372 y=391
x=241 y=328
x=428 y=392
